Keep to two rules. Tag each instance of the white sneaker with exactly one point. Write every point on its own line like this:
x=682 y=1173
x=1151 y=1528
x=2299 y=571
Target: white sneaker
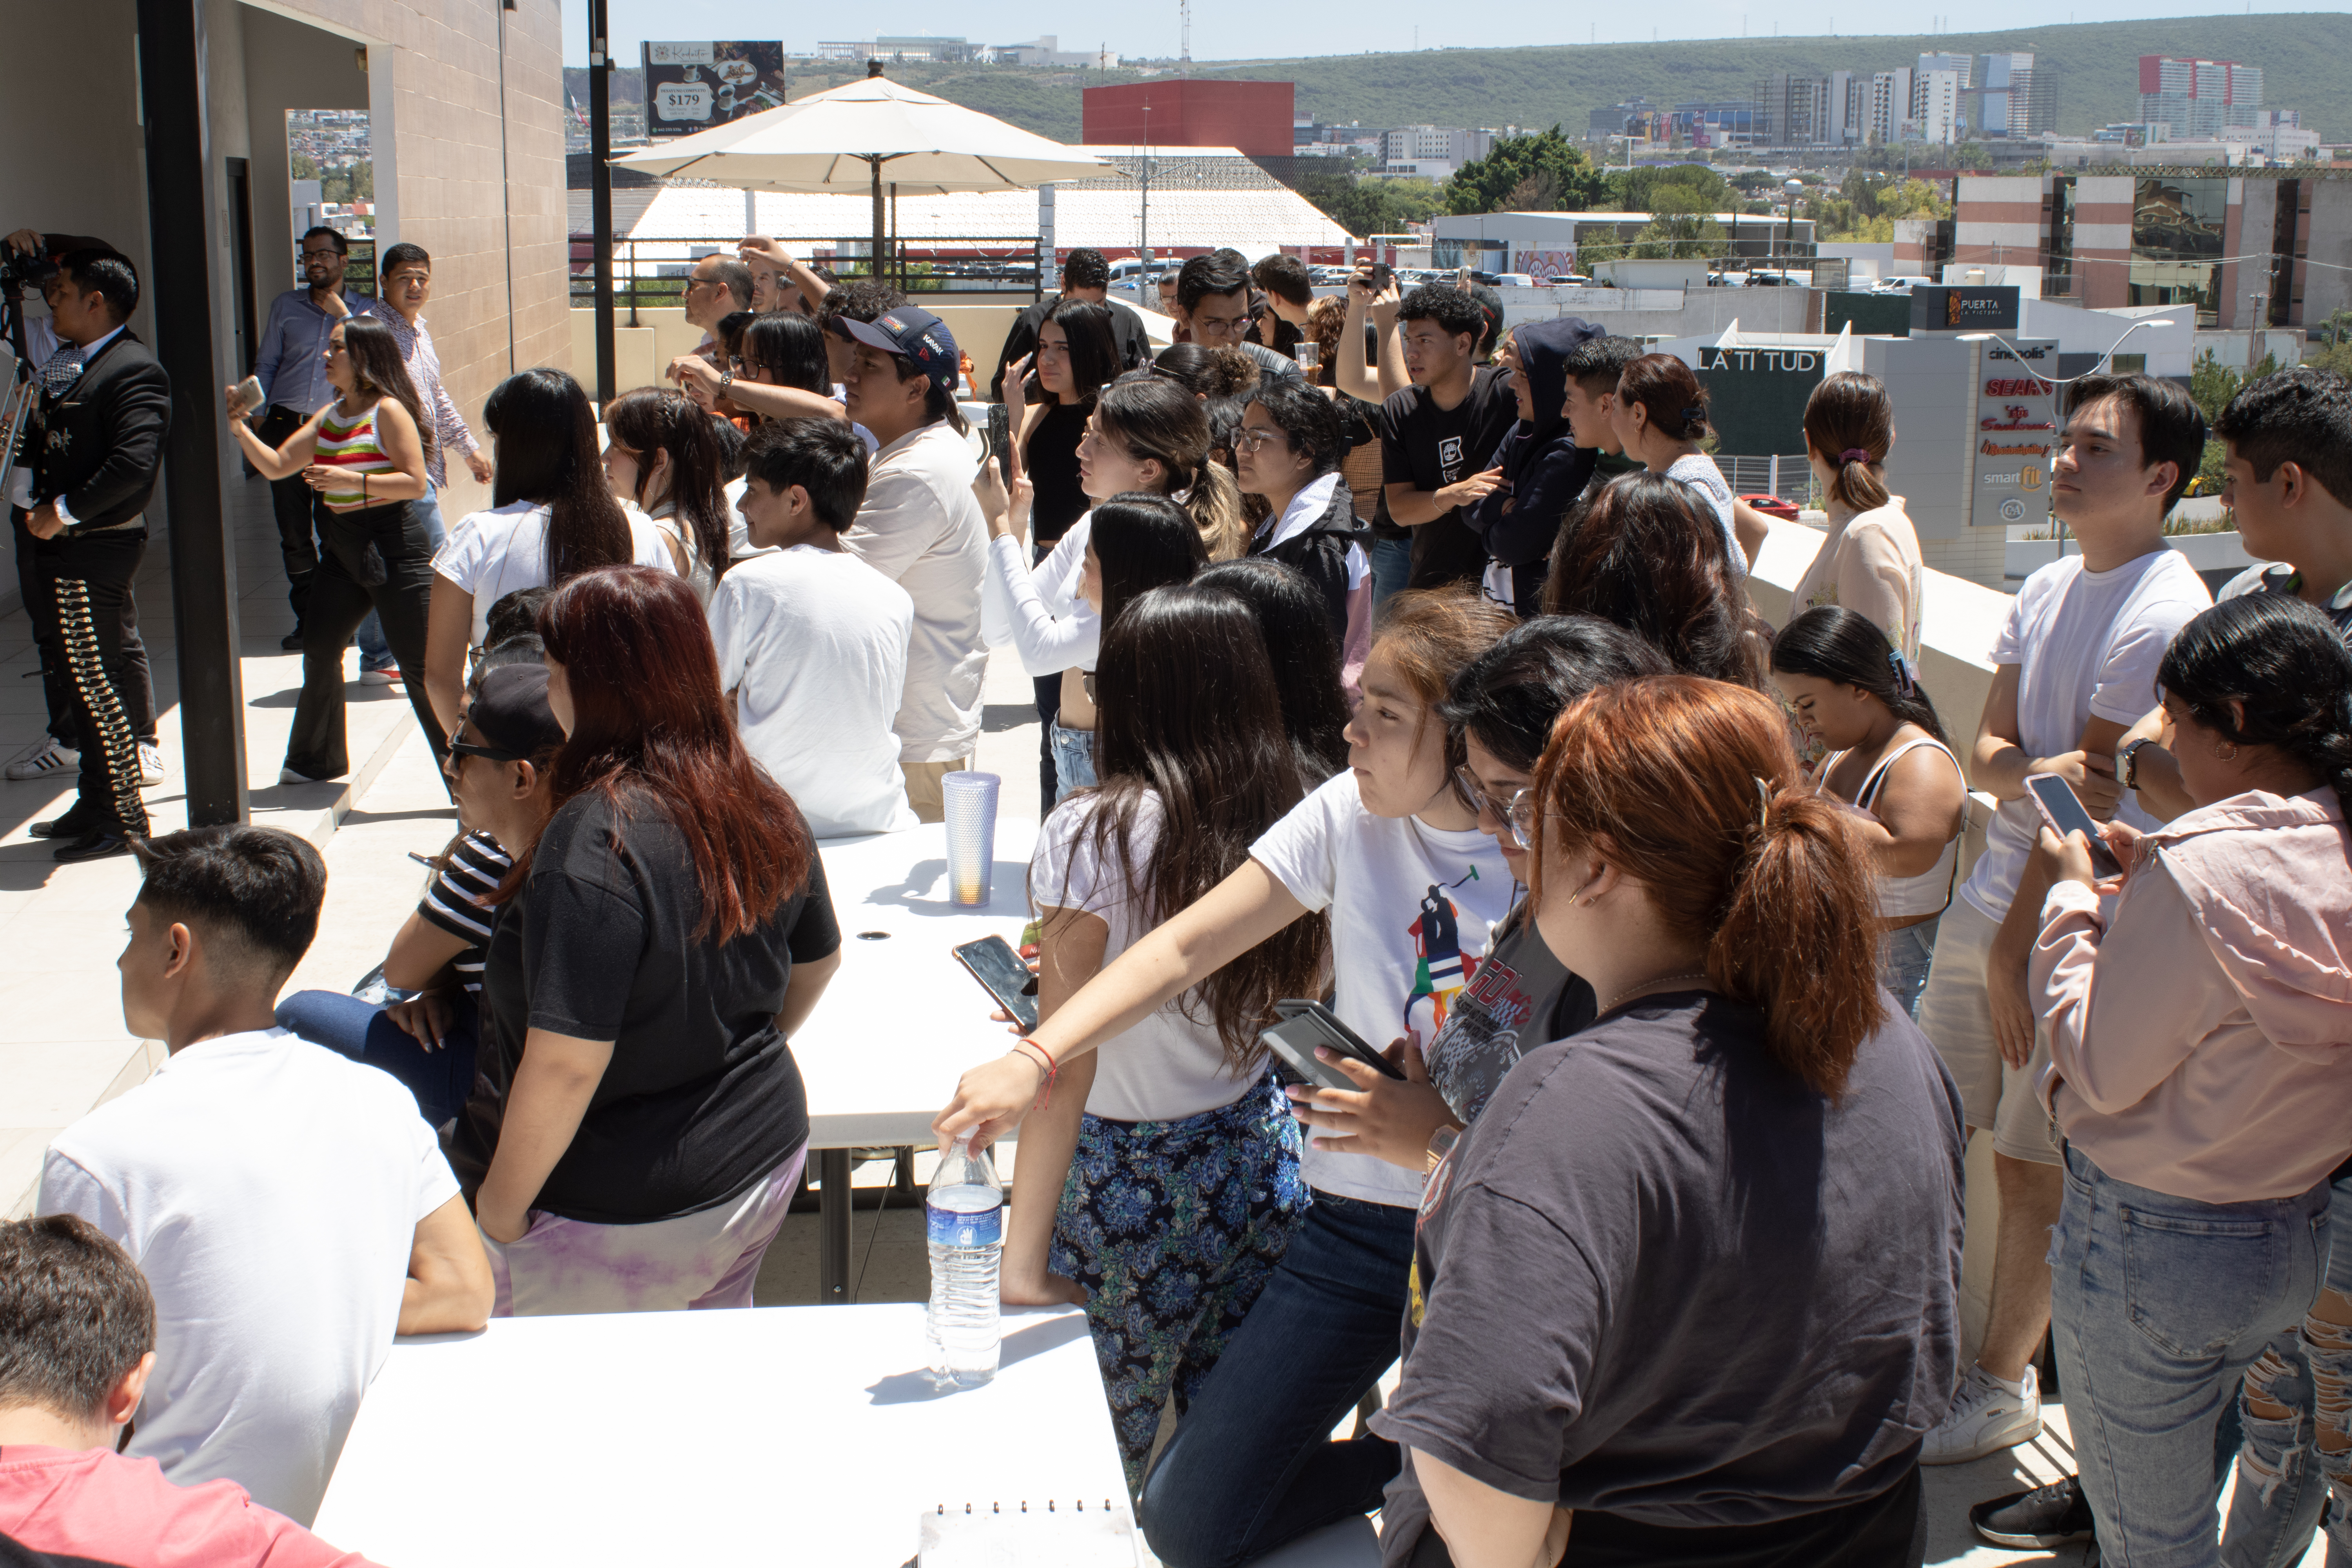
x=44 y=761
x=1985 y=1418
x=151 y=763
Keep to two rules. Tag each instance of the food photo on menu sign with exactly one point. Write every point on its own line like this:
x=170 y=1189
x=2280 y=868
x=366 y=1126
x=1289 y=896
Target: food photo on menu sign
x=694 y=86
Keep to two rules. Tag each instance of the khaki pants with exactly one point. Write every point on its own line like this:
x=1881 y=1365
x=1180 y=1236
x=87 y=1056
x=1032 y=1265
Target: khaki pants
x=923 y=786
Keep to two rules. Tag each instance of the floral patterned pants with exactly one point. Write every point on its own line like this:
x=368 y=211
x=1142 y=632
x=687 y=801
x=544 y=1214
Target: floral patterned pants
x=1173 y=1228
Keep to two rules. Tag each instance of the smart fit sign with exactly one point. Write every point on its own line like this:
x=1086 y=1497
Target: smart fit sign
x=2012 y=434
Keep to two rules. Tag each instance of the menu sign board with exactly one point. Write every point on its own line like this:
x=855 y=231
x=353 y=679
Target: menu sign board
x=692 y=87
x=2013 y=435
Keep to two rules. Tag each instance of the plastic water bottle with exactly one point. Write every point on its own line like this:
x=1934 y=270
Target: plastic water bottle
x=964 y=1214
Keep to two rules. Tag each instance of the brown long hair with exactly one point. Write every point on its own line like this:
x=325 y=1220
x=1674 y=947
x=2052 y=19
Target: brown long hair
x=648 y=418
x=1849 y=412
x=375 y=358
x=651 y=731
x=1669 y=392
x=1188 y=714
x=1649 y=556
x=1690 y=788
x=1154 y=418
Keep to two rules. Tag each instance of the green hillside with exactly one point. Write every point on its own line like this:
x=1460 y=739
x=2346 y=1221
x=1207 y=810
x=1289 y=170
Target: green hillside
x=2301 y=56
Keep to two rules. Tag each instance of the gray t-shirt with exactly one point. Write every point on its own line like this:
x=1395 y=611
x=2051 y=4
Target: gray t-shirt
x=1660 y=1277
x=1519 y=997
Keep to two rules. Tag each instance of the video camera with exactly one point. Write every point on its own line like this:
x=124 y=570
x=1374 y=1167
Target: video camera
x=20 y=271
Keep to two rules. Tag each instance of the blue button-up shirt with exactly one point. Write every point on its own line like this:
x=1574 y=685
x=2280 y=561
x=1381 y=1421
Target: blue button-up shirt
x=292 y=366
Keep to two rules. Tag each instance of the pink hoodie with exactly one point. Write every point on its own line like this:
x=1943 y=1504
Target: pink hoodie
x=2200 y=1043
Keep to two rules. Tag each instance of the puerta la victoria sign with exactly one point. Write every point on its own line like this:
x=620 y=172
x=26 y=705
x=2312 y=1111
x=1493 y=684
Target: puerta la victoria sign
x=2012 y=435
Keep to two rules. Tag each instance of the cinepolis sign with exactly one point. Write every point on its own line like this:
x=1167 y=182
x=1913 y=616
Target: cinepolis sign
x=2012 y=434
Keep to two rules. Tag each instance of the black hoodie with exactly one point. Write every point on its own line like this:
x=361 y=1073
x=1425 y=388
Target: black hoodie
x=1544 y=471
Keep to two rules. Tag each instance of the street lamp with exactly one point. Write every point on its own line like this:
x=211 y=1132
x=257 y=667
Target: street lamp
x=1795 y=189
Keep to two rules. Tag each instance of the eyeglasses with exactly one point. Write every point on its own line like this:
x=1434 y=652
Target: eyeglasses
x=1246 y=439
x=1516 y=812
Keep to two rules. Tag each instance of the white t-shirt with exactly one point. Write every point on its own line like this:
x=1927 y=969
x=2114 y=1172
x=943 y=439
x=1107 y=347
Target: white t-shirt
x=1411 y=908
x=2089 y=644
x=270 y=1191
x=921 y=527
x=814 y=644
x=1697 y=471
x=493 y=553
x=1168 y=1067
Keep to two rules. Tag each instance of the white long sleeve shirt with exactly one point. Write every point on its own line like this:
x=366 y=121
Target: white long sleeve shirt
x=1037 y=612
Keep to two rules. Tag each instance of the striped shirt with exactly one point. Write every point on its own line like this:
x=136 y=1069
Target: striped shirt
x=450 y=433
x=460 y=900
x=351 y=448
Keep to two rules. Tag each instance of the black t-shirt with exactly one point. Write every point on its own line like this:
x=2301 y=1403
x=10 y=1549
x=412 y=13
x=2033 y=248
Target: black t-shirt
x=1519 y=997
x=1050 y=461
x=1431 y=447
x=702 y=1097
x=1660 y=1277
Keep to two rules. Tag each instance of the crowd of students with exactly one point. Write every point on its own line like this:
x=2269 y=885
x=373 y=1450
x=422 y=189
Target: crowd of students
x=1653 y=908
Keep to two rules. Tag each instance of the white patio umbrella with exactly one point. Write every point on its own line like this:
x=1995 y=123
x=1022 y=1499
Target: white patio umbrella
x=864 y=133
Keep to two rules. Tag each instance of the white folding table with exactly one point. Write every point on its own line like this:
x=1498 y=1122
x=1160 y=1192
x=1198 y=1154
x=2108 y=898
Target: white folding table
x=790 y=1435
x=901 y=1019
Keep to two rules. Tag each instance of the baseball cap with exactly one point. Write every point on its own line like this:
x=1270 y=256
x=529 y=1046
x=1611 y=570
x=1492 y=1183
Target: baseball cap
x=917 y=334
x=510 y=719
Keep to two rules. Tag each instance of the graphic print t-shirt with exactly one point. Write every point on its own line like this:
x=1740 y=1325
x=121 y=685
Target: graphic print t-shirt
x=1523 y=997
x=1411 y=910
x=1431 y=447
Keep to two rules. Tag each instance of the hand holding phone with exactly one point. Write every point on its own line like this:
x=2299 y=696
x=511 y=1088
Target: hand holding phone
x=2065 y=814
x=1305 y=1026
x=1003 y=975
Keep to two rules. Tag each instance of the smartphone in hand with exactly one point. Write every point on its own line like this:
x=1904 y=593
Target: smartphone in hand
x=993 y=963
x=2063 y=810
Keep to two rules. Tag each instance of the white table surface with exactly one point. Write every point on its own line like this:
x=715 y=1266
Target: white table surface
x=780 y=1434
x=901 y=1019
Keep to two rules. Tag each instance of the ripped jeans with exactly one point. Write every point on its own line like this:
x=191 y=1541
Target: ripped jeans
x=2284 y=1473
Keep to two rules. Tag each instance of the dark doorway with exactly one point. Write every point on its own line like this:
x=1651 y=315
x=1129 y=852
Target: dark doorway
x=240 y=230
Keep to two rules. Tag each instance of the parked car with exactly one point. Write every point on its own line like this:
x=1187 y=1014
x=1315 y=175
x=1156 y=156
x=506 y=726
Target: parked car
x=1772 y=506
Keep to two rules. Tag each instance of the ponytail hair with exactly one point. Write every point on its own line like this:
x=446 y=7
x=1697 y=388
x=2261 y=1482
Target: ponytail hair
x=1850 y=421
x=1846 y=648
x=2285 y=664
x=1690 y=788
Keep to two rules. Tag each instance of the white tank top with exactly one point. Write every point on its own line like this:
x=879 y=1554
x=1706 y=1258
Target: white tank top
x=1930 y=892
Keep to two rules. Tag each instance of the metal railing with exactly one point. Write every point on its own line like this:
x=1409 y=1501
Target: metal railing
x=650 y=271
x=1789 y=478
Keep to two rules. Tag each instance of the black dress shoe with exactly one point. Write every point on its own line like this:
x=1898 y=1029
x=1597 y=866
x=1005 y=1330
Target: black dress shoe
x=96 y=845
x=69 y=826
x=292 y=641
x=2054 y=1515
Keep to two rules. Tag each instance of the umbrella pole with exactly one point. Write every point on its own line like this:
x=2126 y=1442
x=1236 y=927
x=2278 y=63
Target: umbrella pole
x=876 y=165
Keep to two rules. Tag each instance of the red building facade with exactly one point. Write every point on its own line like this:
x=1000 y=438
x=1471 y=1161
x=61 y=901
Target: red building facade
x=1253 y=116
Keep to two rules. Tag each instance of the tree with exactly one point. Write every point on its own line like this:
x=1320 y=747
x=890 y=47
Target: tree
x=1971 y=155
x=2211 y=383
x=1369 y=207
x=351 y=182
x=1682 y=226
x=1639 y=189
x=1488 y=184
x=305 y=167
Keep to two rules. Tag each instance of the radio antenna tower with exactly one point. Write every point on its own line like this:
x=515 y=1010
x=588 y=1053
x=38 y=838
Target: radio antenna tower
x=1184 y=64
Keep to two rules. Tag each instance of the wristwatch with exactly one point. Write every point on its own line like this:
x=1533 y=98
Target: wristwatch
x=725 y=380
x=1441 y=1144
x=2127 y=764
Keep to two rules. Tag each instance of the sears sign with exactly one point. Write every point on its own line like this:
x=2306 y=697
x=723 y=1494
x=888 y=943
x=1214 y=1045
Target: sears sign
x=2012 y=434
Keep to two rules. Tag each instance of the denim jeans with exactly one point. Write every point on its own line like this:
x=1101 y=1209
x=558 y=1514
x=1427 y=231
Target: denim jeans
x=2157 y=1305
x=375 y=650
x=1074 y=759
x=1251 y=1467
x=439 y=1079
x=2283 y=1480
x=1905 y=957
x=1392 y=561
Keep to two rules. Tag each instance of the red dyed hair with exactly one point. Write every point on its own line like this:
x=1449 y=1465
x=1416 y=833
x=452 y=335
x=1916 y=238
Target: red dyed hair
x=1689 y=787
x=650 y=728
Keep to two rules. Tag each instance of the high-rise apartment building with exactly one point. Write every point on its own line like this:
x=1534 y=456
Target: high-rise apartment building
x=1794 y=110
x=1936 y=105
x=2008 y=96
x=2199 y=99
x=1889 y=110
x=1848 y=109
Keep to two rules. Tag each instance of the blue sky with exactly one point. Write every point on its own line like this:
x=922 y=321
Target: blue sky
x=1233 y=29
